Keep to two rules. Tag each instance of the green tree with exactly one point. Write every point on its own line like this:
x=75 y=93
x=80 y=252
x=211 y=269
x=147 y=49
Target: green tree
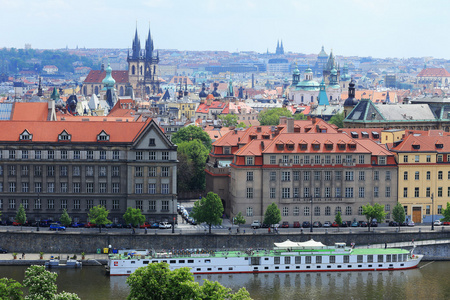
x=156 y=281
x=41 y=285
x=398 y=214
x=185 y=169
x=241 y=125
x=208 y=210
x=134 y=216
x=272 y=116
x=190 y=133
x=65 y=219
x=21 y=216
x=99 y=216
x=300 y=116
x=373 y=212
x=239 y=219
x=272 y=215
x=10 y=289
x=338 y=120
x=196 y=154
x=446 y=213
x=338 y=218
x=229 y=120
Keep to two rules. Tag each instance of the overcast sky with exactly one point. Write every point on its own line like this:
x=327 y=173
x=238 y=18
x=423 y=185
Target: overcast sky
x=377 y=28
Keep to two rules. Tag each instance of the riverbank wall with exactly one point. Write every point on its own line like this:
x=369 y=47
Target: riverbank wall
x=77 y=242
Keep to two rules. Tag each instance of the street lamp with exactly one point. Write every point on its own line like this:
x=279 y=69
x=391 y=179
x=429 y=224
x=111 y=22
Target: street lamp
x=173 y=212
x=311 y=212
x=432 y=211
x=38 y=219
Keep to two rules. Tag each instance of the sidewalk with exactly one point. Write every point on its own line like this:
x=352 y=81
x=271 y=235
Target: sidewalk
x=34 y=259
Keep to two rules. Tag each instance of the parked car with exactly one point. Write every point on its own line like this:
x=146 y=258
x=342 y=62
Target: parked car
x=374 y=224
x=393 y=223
x=344 y=224
x=327 y=224
x=255 y=224
x=446 y=223
x=3 y=250
x=306 y=224
x=165 y=225
x=77 y=225
x=57 y=227
x=155 y=225
x=437 y=223
x=296 y=224
x=334 y=224
x=90 y=225
x=317 y=224
x=411 y=224
x=362 y=224
x=355 y=224
x=285 y=225
x=117 y=225
x=145 y=225
x=45 y=223
x=15 y=223
x=263 y=225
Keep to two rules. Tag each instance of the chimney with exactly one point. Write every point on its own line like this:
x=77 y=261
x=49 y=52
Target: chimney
x=283 y=120
x=51 y=115
x=290 y=125
x=262 y=145
x=313 y=120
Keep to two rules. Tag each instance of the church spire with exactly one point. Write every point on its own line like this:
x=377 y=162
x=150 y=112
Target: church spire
x=149 y=46
x=136 y=49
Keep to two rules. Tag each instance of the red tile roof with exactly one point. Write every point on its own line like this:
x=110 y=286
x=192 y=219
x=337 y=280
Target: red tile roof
x=48 y=131
x=204 y=108
x=30 y=111
x=434 y=72
x=96 y=76
x=423 y=143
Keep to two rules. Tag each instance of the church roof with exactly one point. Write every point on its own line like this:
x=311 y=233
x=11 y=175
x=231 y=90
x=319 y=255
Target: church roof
x=96 y=76
x=434 y=72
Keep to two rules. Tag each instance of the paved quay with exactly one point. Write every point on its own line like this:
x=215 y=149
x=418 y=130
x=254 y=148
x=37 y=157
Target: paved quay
x=7 y=259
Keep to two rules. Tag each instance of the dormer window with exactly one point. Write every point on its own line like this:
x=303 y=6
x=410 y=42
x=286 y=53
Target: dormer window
x=341 y=146
x=26 y=136
x=64 y=136
x=328 y=145
x=375 y=135
x=316 y=145
x=364 y=134
x=103 y=136
x=354 y=134
x=151 y=142
x=439 y=145
x=280 y=146
x=417 y=146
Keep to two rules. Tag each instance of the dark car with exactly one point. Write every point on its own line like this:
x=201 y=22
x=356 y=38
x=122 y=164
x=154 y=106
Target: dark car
x=355 y=224
x=374 y=224
x=344 y=224
x=3 y=250
x=45 y=223
x=285 y=225
x=265 y=225
x=77 y=225
x=362 y=223
x=117 y=225
x=296 y=224
x=393 y=223
x=306 y=224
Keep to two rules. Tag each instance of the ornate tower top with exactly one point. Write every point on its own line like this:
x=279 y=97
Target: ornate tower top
x=149 y=46
x=136 y=49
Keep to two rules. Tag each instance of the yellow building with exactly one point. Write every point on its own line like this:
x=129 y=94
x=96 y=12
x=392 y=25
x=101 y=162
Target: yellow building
x=423 y=176
x=185 y=109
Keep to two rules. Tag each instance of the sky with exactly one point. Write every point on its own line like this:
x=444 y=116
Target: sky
x=377 y=28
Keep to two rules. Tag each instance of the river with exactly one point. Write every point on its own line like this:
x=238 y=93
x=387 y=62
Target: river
x=430 y=281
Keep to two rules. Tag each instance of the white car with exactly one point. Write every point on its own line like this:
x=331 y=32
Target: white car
x=165 y=225
x=327 y=224
x=256 y=224
x=437 y=223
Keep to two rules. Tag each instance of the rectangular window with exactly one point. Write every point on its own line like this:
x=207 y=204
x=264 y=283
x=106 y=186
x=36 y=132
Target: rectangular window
x=272 y=176
x=76 y=204
x=249 y=193
x=115 y=171
x=405 y=192
x=50 y=171
x=12 y=187
x=338 y=192
x=327 y=175
x=285 y=193
x=338 y=159
x=362 y=175
x=428 y=192
x=296 y=175
x=102 y=171
x=12 y=170
x=272 y=160
x=439 y=158
x=63 y=204
x=90 y=154
x=24 y=170
x=139 y=155
x=405 y=158
x=102 y=187
x=296 y=192
x=116 y=155
x=76 y=171
x=51 y=154
x=103 y=155
x=165 y=205
x=116 y=188
x=375 y=192
x=250 y=176
x=76 y=154
x=361 y=192
x=37 y=154
x=376 y=175
x=285 y=211
x=76 y=187
x=63 y=154
x=165 y=188
x=103 y=203
x=296 y=211
x=272 y=193
x=115 y=204
x=439 y=194
x=338 y=175
x=38 y=187
x=152 y=205
x=50 y=204
x=348 y=192
x=89 y=204
x=327 y=159
x=307 y=160
x=388 y=192
x=165 y=155
x=165 y=171
x=152 y=172
x=296 y=159
x=24 y=187
x=349 y=175
x=388 y=175
x=416 y=192
x=138 y=188
x=12 y=203
x=361 y=159
x=249 y=160
x=24 y=154
x=63 y=171
x=382 y=160
x=139 y=204
x=439 y=209
x=89 y=171
x=429 y=158
x=306 y=175
x=317 y=175
x=89 y=187
x=152 y=188
x=152 y=155
x=138 y=171
x=50 y=187
x=249 y=211
x=1 y=189
x=285 y=176
x=416 y=158
x=63 y=187
x=327 y=192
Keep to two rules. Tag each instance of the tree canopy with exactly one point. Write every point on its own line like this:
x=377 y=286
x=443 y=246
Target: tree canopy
x=208 y=210
x=338 y=218
x=229 y=120
x=99 y=216
x=374 y=212
x=446 y=213
x=338 y=120
x=272 y=116
x=191 y=172
x=239 y=219
x=65 y=219
x=398 y=214
x=191 y=133
x=272 y=215
x=10 y=289
x=21 y=216
x=134 y=216
x=156 y=281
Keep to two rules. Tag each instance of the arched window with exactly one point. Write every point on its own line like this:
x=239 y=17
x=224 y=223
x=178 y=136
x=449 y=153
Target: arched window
x=317 y=211
x=312 y=98
x=96 y=90
x=121 y=91
x=133 y=70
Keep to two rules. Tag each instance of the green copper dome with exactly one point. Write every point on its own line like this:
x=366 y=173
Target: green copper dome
x=296 y=71
x=108 y=81
x=308 y=85
x=308 y=70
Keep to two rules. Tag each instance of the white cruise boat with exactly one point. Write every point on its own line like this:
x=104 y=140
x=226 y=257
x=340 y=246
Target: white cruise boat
x=288 y=256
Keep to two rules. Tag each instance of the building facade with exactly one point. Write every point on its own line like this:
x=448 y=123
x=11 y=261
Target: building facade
x=51 y=166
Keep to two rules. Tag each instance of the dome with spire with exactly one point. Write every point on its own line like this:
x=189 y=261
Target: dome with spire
x=308 y=84
x=351 y=100
x=322 y=53
x=108 y=81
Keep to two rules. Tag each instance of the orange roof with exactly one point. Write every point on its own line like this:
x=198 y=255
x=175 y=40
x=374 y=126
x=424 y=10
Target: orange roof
x=48 y=131
x=30 y=111
x=96 y=76
x=204 y=108
x=423 y=143
x=434 y=72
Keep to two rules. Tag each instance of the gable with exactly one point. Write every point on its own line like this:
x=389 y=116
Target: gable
x=152 y=137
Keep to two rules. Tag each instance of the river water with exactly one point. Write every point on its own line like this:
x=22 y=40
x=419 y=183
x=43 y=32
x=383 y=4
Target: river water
x=429 y=281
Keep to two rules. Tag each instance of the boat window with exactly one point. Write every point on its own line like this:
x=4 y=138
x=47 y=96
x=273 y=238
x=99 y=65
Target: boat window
x=246 y=258
x=190 y=261
x=128 y=272
x=349 y=266
x=277 y=267
x=346 y=259
x=298 y=260
x=276 y=260
x=359 y=266
x=230 y=268
x=181 y=261
x=307 y=259
x=380 y=265
x=318 y=259
x=339 y=266
x=255 y=268
x=370 y=258
x=133 y=262
x=207 y=261
x=154 y=261
x=332 y=259
x=266 y=258
x=287 y=260
x=266 y=268
x=388 y=258
x=165 y=261
x=391 y=265
x=360 y=258
x=401 y=265
x=329 y=267
x=173 y=261
x=286 y=267
x=370 y=266
x=308 y=267
x=145 y=262
x=198 y=269
x=297 y=267
x=318 y=267
x=209 y=269
x=220 y=269
x=380 y=258
x=394 y=257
